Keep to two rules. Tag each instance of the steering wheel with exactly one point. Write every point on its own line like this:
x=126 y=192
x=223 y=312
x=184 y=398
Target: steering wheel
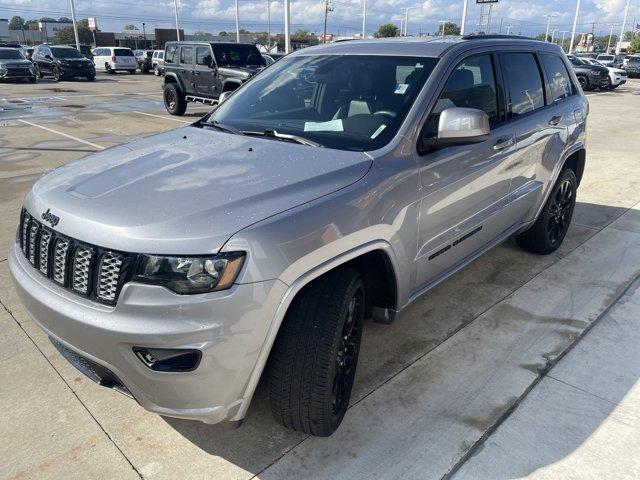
x=386 y=113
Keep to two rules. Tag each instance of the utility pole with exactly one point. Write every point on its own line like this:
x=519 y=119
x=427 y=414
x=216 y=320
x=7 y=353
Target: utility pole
x=326 y=15
x=508 y=29
x=553 y=35
x=549 y=17
x=364 y=19
x=464 y=16
x=144 y=34
x=287 y=26
x=500 y=29
x=624 y=24
x=563 y=34
x=610 y=36
x=401 y=26
x=237 y=23
x=175 y=11
x=268 y=26
x=441 y=30
x=406 y=20
x=75 y=27
x=573 y=30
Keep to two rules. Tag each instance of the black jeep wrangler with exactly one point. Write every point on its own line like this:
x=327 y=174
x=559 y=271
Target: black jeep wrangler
x=202 y=71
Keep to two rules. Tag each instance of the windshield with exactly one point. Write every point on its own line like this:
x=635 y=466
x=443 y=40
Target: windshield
x=606 y=57
x=59 y=52
x=577 y=61
x=237 y=55
x=634 y=60
x=10 y=55
x=347 y=102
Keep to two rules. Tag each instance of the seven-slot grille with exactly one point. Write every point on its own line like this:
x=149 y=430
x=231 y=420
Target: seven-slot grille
x=85 y=269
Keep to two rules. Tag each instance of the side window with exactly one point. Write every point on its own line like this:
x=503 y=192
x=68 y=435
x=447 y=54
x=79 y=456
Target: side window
x=523 y=83
x=186 y=55
x=203 y=56
x=171 y=53
x=471 y=85
x=559 y=81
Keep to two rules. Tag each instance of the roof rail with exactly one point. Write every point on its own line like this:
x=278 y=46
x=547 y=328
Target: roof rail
x=490 y=36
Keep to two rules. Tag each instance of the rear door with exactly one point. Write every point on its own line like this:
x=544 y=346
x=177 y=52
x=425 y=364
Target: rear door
x=204 y=71
x=540 y=127
x=465 y=188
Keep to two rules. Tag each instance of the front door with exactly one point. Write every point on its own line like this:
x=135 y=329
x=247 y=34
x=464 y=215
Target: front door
x=205 y=72
x=465 y=188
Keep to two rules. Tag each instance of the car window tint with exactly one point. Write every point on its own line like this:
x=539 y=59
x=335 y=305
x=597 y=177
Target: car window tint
x=523 y=83
x=559 y=80
x=203 y=56
x=471 y=85
x=170 y=53
x=186 y=55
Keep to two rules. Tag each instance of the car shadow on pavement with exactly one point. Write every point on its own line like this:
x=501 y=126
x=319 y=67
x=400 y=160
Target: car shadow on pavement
x=388 y=350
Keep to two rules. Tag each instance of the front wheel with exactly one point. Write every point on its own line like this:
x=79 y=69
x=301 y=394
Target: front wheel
x=584 y=82
x=313 y=361
x=174 y=100
x=548 y=232
x=91 y=78
x=108 y=69
x=56 y=74
x=132 y=72
x=156 y=71
x=39 y=73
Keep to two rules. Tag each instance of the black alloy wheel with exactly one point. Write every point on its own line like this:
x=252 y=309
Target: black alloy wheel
x=560 y=212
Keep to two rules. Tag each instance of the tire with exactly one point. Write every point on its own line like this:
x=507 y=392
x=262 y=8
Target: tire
x=548 y=232
x=613 y=87
x=108 y=68
x=56 y=74
x=607 y=85
x=132 y=72
x=39 y=73
x=32 y=80
x=584 y=82
x=315 y=355
x=174 y=100
x=91 y=78
x=156 y=71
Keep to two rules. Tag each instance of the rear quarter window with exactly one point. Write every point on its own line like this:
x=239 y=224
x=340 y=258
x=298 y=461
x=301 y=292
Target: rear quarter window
x=560 y=85
x=523 y=83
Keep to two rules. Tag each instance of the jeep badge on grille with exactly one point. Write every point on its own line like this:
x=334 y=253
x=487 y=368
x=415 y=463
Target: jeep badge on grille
x=50 y=217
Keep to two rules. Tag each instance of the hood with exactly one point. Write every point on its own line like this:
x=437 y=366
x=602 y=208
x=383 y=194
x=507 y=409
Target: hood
x=239 y=72
x=187 y=191
x=16 y=63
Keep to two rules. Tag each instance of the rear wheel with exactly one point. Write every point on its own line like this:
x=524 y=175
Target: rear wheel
x=156 y=71
x=108 y=68
x=91 y=78
x=314 y=358
x=174 y=100
x=132 y=72
x=548 y=232
x=39 y=73
x=56 y=73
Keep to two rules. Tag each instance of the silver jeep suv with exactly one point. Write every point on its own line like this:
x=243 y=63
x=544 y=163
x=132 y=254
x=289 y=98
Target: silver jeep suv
x=337 y=185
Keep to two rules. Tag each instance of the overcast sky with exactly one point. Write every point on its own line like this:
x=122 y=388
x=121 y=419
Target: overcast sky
x=528 y=16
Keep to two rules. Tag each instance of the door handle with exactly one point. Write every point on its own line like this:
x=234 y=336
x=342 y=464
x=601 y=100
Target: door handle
x=504 y=143
x=555 y=120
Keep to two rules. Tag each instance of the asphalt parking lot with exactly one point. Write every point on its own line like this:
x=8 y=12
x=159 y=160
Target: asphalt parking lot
x=441 y=393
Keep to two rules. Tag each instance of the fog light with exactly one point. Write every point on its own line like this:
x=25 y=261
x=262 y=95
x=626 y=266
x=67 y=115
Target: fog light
x=168 y=360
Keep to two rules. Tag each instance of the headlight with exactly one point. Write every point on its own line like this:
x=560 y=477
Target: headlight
x=3 y=68
x=185 y=275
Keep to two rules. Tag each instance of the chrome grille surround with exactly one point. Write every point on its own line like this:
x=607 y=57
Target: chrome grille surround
x=81 y=269
x=84 y=269
x=108 y=276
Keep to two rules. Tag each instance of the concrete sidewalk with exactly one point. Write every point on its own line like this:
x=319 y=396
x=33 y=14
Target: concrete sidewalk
x=582 y=421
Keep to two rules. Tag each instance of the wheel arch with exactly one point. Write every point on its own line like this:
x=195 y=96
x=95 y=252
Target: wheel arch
x=171 y=77
x=576 y=162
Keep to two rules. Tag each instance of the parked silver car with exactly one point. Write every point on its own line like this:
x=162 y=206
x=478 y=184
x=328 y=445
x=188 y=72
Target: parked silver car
x=337 y=185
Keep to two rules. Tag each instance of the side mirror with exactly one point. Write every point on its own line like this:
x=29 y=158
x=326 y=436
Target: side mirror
x=462 y=126
x=224 y=96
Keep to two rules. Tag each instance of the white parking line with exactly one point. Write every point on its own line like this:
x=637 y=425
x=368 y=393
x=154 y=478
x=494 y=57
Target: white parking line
x=162 y=116
x=99 y=147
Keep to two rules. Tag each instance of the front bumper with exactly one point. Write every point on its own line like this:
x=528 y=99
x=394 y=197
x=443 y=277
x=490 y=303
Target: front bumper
x=229 y=328
x=10 y=74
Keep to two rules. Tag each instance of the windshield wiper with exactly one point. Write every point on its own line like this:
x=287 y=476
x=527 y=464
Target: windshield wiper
x=283 y=136
x=222 y=127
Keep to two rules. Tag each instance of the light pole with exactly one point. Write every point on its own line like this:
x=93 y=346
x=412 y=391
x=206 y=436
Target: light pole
x=442 y=22
x=624 y=23
x=237 y=23
x=268 y=26
x=610 y=36
x=287 y=26
x=75 y=27
x=562 y=42
x=406 y=19
x=175 y=11
x=573 y=30
x=549 y=17
x=553 y=35
x=364 y=18
x=508 y=29
x=144 y=35
x=464 y=16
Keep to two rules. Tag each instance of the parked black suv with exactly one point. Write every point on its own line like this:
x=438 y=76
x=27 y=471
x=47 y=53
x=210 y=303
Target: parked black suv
x=590 y=76
x=633 y=67
x=61 y=61
x=201 y=71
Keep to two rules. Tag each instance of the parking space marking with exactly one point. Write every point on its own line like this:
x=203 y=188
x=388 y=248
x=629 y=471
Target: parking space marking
x=161 y=116
x=94 y=145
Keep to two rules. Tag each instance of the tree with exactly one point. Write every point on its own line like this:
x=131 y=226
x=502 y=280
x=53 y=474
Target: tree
x=200 y=35
x=387 y=30
x=634 y=47
x=131 y=26
x=301 y=34
x=31 y=25
x=48 y=19
x=65 y=19
x=16 y=23
x=223 y=34
x=450 y=28
x=66 y=36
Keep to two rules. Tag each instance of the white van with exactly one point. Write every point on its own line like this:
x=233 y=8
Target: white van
x=112 y=59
